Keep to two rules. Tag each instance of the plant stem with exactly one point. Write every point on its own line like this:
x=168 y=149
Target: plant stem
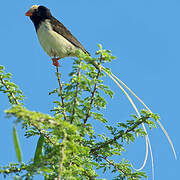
x=7 y=87
x=61 y=92
x=75 y=97
x=110 y=141
x=62 y=151
x=92 y=96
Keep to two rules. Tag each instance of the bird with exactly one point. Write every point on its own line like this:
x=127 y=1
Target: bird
x=56 y=40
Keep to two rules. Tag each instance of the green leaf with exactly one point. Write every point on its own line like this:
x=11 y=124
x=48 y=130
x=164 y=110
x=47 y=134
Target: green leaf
x=46 y=169
x=100 y=46
x=16 y=145
x=39 y=149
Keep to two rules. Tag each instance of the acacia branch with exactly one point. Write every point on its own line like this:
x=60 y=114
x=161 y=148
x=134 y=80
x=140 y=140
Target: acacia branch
x=75 y=97
x=110 y=141
x=61 y=92
x=92 y=95
x=41 y=132
x=62 y=151
x=115 y=166
x=11 y=93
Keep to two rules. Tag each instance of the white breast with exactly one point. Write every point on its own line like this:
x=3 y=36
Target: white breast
x=53 y=43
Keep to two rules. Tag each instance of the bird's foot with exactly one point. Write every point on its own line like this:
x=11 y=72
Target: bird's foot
x=55 y=61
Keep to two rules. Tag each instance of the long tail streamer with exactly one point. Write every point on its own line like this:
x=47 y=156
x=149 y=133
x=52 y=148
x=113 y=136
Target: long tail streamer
x=134 y=106
x=160 y=124
x=148 y=144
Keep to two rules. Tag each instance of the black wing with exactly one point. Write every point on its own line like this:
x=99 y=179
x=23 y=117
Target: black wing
x=63 y=31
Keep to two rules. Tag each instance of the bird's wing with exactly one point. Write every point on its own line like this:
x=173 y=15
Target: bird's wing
x=63 y=31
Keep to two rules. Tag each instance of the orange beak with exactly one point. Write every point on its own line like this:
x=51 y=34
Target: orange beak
x=28 y=13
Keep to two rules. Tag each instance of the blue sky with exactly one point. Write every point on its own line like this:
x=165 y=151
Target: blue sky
x=145 y=38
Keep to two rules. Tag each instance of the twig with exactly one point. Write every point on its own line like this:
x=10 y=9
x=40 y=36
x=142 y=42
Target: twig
x=61 y=91
x=7 y=87
x=40 y=131
x=64 y=138
x=75 y=97
x=114 y=165
x=92 y=95
x=62 y=157
x=110 y=141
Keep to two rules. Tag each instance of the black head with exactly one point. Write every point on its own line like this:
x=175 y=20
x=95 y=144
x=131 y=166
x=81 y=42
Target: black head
x=38 y=14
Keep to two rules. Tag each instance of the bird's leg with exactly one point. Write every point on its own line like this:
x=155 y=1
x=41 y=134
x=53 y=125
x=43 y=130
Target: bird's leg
x=55 y=58
x=55 y=61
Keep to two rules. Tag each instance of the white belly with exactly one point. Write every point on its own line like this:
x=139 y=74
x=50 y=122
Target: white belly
x=53 y=43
